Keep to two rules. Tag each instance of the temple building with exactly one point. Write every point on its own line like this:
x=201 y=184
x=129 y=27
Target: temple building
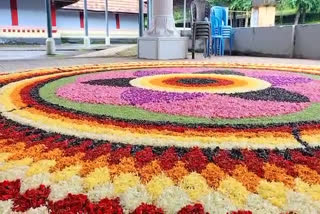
x=25 y=20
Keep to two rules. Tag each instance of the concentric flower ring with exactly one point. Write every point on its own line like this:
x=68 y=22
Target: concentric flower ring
x=224 y=84
x=63 y=103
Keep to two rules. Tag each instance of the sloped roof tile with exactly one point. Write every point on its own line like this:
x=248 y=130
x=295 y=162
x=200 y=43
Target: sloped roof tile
x=120 y=6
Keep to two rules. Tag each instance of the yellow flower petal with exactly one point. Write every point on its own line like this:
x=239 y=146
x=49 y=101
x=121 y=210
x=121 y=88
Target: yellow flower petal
x=66 y=173
x=42 y=166
x=275 y=192
x=124 y=181
x=98 y=177
x=157 y=184
x=233 y=189
x=16 y=163
x=195 y=185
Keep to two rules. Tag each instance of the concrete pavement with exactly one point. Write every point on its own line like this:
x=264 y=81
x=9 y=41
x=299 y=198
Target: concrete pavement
x=18 y=65
x=13 y=59
x=39 y=51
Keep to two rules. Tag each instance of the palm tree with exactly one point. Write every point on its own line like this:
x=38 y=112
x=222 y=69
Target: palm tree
x=304 y=6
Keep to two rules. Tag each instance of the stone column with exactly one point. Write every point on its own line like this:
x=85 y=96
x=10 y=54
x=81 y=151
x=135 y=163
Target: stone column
x=163 y=24
x=162 y=40
x=86 y=39
x=50 y=43
x=107 y=39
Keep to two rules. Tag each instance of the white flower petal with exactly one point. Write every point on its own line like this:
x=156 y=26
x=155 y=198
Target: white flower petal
x=61 y=189
x=216 y=202
x=35 y=181
x=133 y=197
x=100 y=192
x=301 y=203
x=173 y=199
x=5 y=207
x=258 y=205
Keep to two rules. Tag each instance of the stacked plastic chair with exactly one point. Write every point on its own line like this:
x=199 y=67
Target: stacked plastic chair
x=201 y=25
x=221 y=13
x=217 y=38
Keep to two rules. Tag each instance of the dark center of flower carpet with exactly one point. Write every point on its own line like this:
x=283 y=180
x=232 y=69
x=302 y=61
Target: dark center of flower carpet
x=196 y=81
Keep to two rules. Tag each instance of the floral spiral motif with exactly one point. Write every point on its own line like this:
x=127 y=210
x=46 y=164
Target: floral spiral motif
x=133 y=137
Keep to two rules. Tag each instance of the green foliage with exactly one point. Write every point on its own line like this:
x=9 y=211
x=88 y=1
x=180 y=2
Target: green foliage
x=241 y=5
x=305 y=5
x=224 y=3
x=233 y=4
x=178 y=14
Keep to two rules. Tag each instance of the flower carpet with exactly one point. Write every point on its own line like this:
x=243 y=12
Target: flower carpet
x=161 y=137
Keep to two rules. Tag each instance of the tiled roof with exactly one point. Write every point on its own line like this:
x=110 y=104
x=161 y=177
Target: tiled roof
x=121 y=6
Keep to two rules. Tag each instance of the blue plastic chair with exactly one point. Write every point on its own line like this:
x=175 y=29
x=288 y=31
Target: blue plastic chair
x=222 y=14
x=217 y=38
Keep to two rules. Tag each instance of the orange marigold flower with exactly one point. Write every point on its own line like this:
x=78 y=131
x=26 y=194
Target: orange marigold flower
x=68 y=161
x=89 y=166
x=274 y=173
x=55 y=154
x=177 y=172
x=213 y=174
x=32 y=152
x=14 y=148
x=3 y=143
x=126 y=165
x=148 y=171
x=248 y=179
x=306 y=174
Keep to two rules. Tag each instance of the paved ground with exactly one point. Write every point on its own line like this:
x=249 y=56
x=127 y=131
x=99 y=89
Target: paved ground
x=39 y=51
x=20 y=59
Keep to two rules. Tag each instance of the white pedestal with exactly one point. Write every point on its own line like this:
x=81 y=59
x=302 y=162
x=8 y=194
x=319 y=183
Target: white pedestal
x=50 y=46
x=86 y=42
x=107 y=40
x=163 y=48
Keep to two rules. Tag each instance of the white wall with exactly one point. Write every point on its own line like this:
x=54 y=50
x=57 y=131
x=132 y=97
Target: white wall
x=31 y=13
x=5 y=13
x=307 y=41
x=129 y=21
x=68 y=19
x=96 y=21
x=265 y=41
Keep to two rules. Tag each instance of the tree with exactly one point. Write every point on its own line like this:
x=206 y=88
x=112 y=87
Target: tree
x=304 y=6
x=243 y=5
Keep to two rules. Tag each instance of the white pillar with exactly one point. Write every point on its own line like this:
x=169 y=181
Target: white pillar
x=86 y=39
x=184 y=14
x=50 y=46
x=149 y=13
x=50 y=43
x=163 y=24
x=162 y=40
x=107 y=39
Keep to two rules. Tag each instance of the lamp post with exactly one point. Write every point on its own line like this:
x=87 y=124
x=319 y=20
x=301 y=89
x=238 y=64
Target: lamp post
x=149 y=13
x=86 y=39
x=107 y=40
x=50 y=43
x=184 y=14
x=141 y=18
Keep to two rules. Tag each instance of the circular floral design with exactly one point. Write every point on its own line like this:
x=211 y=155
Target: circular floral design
x=87 y=140
x=235 y=108
x=205 y=83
